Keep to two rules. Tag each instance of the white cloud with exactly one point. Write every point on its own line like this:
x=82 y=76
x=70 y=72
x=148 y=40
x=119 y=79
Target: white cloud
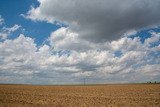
x=98 y=21
x=154 y=38
x=22 y=57
x=5 y=32
x=64 y=39
x=12 y=29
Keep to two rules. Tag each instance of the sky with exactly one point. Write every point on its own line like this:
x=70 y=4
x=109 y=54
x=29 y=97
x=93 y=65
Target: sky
x=65 y=41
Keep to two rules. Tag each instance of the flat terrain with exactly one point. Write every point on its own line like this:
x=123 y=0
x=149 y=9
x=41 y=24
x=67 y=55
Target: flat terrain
x=133 y=95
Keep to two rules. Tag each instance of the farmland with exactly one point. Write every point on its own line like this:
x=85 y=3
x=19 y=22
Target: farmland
x=117 y=95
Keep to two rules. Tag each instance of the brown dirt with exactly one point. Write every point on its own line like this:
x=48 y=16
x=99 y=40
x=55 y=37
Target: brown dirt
x=137 y=95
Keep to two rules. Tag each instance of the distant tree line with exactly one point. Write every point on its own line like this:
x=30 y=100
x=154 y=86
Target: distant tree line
x=151 y=82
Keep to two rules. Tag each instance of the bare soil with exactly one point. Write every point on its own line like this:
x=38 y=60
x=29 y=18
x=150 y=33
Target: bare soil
x=126 y=95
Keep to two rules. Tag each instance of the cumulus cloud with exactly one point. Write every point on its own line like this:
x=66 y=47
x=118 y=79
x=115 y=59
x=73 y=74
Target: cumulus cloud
x=5 y=31
x=21 y=57
x=98 y=21
x=65 y=39
x=95 y=45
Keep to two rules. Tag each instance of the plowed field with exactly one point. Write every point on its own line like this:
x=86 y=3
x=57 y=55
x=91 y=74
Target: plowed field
x=127 y=95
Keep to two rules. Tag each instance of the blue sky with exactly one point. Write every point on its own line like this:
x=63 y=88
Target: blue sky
x=11 y=11
x=98 y=43
x=145 y=33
